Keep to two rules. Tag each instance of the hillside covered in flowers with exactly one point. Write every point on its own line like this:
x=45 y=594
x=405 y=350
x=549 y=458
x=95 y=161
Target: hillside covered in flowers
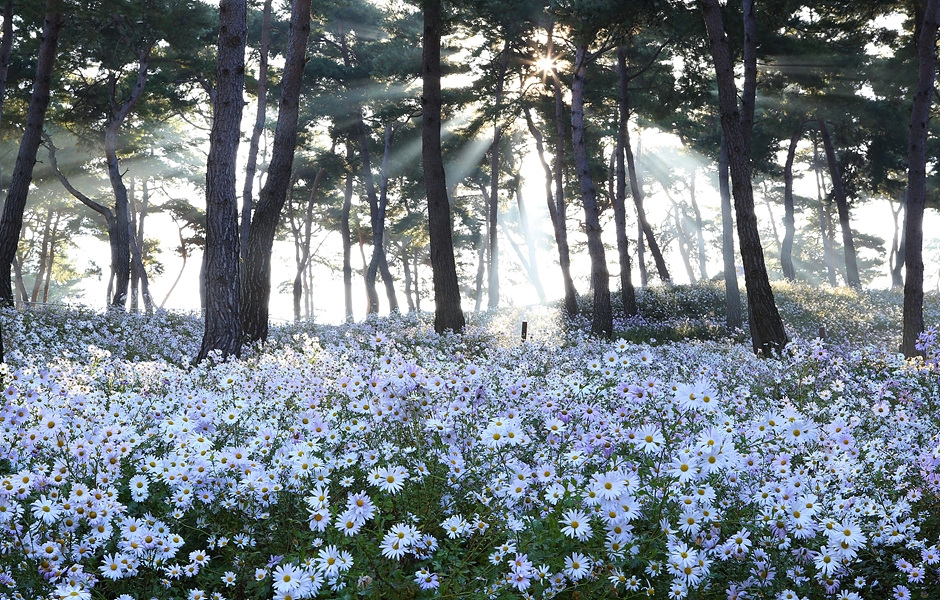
x=380 y=460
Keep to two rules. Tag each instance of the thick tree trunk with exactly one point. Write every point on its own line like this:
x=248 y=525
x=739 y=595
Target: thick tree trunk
x=347 y=235
x=256 y=286
x=767 y=332
x=789 y=222
x=251 y=165
x=848 y=243
x=917 y=182
x=637 y=191
x=558 y=221
x=493 y=248
x=223 y=325
x=627 y=292
x=11 y=221
x=447 y=312
x=602 y=319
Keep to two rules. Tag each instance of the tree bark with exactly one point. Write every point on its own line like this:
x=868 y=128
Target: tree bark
x=789 y=222
x=11 y=221
x=305 y=249
x=43 y=256
x=602 y=319
x=896 y=257
x=848 y=243
x=627 y=292
x=223 y=325
x=251 y=166
x=732 y=291
x=447 y=312
x=6 y=48
x=823 y=217
x=256 y=286
x=767 y=333
x=378 y=262
x=917 y=182
x=52 y=243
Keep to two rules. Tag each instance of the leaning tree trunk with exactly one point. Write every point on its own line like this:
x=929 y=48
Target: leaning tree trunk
x=251 y=166
x=447 y=312
x=917 y=182
x=838 y=190
x=602 y=321
x=767 y=332
x=627 y=293
x=223 y=325
x=558 y=221
x=561 y=228
x=11 y=221
x=256 y=286
x=786 y=249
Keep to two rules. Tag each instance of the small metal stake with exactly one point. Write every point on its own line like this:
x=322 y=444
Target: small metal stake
x=525 y=330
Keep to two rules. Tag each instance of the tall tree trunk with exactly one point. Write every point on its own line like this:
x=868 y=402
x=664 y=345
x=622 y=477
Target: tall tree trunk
x=135 y=277
x=896 y=258
x=18 y=279
x=637 y=190
x=684 y=240
x=11 y=221
x=917 y=182
x=139 y=237
x=223 y=325
x=823 y=217
x=848 y=243
x=482 y=253
x=406 y=268
x=558 y=220
x=53 y=239
x=699 y=229
x=347 y=235
x=185 y=256
x=767 y=332
x=378 y=263
x=447 y=312
x=251 y=165
x=602 y=320
x=789 y=221
x=641 y=255
x=43 y=255
x=256 y=286
x=627 y=293
x=6 y=48
x=732 y=291
x=493 y=249
x=305 y=244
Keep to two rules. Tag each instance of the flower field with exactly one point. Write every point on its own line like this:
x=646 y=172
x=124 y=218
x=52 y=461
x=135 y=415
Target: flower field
x=379 y=460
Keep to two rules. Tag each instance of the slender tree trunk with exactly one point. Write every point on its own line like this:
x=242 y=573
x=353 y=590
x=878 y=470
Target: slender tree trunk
x=406 y=268
x=43 y=255
x=493 y=249
x=767 y=332
x=848 y=243
x=378 y=263
x=699 y=229
x=18 y=279
x=6 y=48
x=223 y=325
x=482 y=252
x=637 y=190
x=53 y=239
x=558 y=221
x=305 y=244
x=602 y=320
x=627 y=292
x=347 y=235
x=789 y=222
x=135 y=277
x=641 y=255
x=251 y=165
x=447 y=312
x=684 y=240
x=417 y=279
x=896 y=258
x=256 y=286
x=11 y=221
x=823 y=217
x=917 y=182
x=185 y=255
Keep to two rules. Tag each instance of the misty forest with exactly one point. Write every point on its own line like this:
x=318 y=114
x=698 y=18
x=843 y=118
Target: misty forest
x=469 y=299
